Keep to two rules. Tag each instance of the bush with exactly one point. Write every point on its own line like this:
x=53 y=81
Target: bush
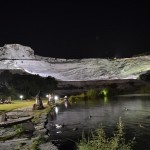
x=91 y=94
x=28 y=85
x=99 y=141
x=82 y=96
x=145 y=90
x=104 y=93
x=36 y=142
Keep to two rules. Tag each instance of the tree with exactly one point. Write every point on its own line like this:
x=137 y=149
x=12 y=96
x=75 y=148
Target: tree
x=5 y=77
x=29 y=85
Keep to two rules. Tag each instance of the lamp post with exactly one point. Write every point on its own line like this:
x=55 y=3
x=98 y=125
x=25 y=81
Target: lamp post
x=21 y=97
x=55 y=98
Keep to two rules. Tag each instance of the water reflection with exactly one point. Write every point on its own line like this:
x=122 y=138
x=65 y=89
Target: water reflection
x=105 y=100
x=56 y=109
x=52 y=115
x=66 y=104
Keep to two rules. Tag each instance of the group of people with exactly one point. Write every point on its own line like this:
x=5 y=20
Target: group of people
x=51 y=99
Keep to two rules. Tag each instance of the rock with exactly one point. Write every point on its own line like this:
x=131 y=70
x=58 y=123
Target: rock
x=13 y=116
x=36 y=132
x=48 y=146
x=43 y=116
x=46 y=136
x=39 y=102
x=28 y=126
x=6 y=131
x=43 y=131
x=39 y=127
x=17 y=140
x=34 y=107
x=15 y=144
x=2 y=131
x=3 y=117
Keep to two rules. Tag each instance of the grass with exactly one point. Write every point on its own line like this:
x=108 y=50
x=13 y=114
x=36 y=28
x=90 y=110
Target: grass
x=15 y=105
x=36 y=142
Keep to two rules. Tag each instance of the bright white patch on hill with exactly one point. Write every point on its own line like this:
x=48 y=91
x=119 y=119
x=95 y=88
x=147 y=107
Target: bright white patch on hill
x=22 y=57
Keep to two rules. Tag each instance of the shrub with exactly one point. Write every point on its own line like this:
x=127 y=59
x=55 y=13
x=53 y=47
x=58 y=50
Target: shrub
x=104 y=93
x=91 y=94
x=19 y=129
x=76 y=98
x=36 y=142
x=99 y=141
x=145 y=89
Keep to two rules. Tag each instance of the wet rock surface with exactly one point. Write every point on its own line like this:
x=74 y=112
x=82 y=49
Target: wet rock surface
x=47 y=146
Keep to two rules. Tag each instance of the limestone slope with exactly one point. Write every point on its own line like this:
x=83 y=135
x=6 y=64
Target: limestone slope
x=16 y=56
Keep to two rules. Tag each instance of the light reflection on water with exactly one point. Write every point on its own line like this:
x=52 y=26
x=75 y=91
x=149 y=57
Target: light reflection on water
x=73 y=119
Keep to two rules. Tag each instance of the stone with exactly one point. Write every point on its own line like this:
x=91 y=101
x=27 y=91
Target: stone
x=39 y=127
x=39 y=103
x=48 y=146
x=34 y=107
x=2 y=131
x=3 y=117
x=28 y=126
x=43 y=131
x=46 y=136
x=14 y=144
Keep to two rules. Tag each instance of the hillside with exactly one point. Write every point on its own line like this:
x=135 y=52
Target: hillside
x=16 y=56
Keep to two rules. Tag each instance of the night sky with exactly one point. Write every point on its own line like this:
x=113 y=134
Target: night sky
x=77 y=30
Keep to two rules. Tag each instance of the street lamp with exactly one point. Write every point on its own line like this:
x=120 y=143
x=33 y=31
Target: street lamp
x=21 y=97
x=56 y=97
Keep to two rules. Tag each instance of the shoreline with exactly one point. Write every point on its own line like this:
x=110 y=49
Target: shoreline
x=34 y=127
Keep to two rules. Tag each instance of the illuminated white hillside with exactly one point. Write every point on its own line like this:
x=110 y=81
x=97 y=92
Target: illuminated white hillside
x=16 y=56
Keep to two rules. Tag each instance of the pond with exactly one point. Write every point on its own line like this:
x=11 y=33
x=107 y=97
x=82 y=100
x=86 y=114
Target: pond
x=66 y=123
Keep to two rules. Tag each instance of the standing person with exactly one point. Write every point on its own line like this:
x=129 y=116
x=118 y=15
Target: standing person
x=66 y=99
x=49 y=99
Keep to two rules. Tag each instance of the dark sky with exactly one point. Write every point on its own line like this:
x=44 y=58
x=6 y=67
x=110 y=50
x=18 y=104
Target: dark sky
x=77 y=29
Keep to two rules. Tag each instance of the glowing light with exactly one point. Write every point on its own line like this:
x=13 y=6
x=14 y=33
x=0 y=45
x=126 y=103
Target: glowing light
x=104 y=92
x=56 y=97
x=21 y=97
x=47 y=96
